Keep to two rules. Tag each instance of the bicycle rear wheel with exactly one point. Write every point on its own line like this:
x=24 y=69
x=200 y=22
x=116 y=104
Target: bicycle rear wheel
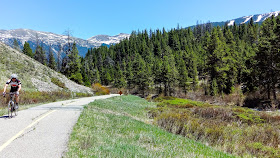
x=16 y=110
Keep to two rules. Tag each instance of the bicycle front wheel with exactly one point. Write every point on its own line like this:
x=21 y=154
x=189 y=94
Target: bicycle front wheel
x=10 y=109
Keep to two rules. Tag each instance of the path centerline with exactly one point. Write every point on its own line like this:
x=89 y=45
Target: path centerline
x=22 y=131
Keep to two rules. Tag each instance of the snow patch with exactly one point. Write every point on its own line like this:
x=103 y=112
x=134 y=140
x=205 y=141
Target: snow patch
x=100 y=39
x=247 y=19
x=276 y=13
x=259 y=18
x=231 y=23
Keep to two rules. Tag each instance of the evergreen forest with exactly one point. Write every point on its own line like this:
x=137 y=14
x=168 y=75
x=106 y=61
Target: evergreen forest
x=217 y=60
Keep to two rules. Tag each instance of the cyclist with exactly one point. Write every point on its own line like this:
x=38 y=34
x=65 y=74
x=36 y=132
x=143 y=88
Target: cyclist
x=15 y=87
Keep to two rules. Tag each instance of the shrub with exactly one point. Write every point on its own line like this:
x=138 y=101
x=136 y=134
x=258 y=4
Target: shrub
x=57 y=82
x=77 y=77
x=178 y=103
x=34 y=97
x=237 y=130
x=83 y=95
x=99 y=89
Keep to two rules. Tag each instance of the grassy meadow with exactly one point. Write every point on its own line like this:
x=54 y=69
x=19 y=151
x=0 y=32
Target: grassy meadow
x=119 y=127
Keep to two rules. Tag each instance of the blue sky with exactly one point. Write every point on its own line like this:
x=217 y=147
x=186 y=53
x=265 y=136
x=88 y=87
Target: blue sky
x=87 y=18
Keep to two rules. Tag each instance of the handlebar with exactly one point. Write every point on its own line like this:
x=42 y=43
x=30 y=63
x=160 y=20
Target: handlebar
x=11 y=93
x=4 y=95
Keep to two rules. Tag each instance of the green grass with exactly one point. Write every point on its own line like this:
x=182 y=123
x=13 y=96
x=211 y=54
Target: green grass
x=179 y=103
x=111 y=128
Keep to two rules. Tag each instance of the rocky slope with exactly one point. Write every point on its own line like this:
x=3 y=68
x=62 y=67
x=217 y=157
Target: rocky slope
x=33 y=75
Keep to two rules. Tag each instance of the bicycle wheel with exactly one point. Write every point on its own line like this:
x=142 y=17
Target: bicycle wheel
x=10 y=109
x=16 y=110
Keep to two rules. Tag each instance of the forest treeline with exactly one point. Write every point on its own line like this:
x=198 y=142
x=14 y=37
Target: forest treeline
x=215 y=59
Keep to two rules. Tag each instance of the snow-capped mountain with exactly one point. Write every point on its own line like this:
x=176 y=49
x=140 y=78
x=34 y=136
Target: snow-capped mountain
x=105 y=39
x=55 y=40
x=50 y=39
x=258 y=18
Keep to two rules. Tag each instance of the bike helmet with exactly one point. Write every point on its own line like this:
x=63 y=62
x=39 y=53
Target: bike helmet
x=14 y=76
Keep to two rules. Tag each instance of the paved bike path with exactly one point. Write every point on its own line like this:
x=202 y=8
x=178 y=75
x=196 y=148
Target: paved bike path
x=41 y=131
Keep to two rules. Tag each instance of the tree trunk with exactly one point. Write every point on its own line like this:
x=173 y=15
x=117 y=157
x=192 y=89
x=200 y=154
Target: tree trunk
x=165 y=89
x=274 y=91
x=268 y=91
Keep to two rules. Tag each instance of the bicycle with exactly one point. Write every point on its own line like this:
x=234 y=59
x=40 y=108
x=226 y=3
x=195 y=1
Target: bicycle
x=12 y=105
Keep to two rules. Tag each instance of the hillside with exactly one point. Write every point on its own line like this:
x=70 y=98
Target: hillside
x=33 y=75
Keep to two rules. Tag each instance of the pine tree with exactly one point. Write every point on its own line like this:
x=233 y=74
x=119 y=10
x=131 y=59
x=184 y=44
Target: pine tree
x=183 y=75
x=40 y=55
x=27 y=50
x=107 y=79
x=170 y=74
x=59 y=58
x=157 y=73
x=268 y=59
x=16 y=45
x=84 y=70
x=119 y=78
x=129 y=74
x=230 y=59
x=51 y=60
x=73 y=67
x=97 y=76
x=140 y=76
x=216 y=65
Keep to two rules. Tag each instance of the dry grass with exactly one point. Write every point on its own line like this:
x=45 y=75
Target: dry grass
x=237 y=130
x=35 y=97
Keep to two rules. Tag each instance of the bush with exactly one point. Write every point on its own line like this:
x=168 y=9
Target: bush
x=99 y=89
x=35 y=97
x=83 y=95
x=77 y=77
x=234 y=129
x=178 y=103
x=57 y=82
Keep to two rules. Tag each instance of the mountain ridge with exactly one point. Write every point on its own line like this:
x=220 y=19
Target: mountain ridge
x=51 y=39
x=56 y=40
x=257 y=18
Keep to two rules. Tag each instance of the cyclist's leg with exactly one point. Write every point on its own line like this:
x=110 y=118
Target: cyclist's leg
x=17 y=99
x=16 y=96
x=13 y=90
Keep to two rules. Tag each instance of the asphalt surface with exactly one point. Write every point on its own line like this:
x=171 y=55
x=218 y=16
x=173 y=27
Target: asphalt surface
x=42 y=131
